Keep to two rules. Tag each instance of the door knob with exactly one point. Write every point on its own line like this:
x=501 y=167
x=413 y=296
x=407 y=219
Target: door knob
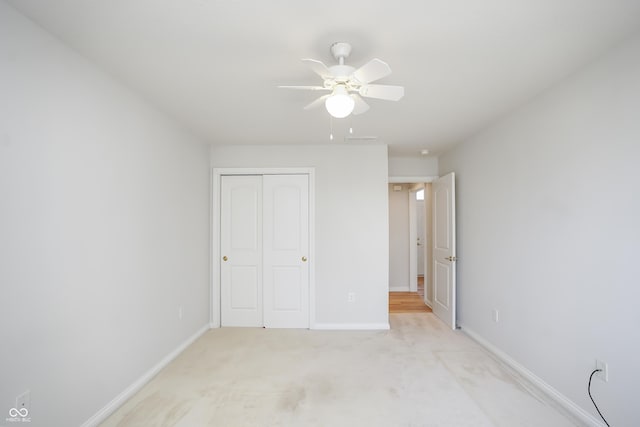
x=451 y=258
x=224 y=258
x=304 y=259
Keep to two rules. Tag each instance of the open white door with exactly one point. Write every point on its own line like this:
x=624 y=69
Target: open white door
x=444 y=249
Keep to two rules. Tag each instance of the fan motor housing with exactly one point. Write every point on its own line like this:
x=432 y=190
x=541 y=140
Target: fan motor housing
x=341 y=72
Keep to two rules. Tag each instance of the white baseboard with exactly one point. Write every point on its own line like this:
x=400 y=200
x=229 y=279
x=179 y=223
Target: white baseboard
x=547 y=389
x=399 y=289
x=110 y=408
x=351 y=326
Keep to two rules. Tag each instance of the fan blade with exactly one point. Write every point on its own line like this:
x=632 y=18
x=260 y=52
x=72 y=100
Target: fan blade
x=372 y=70
x=360 y=106
x=389 y=93
x=304 y=87
x=318 y=67
x=317 y=102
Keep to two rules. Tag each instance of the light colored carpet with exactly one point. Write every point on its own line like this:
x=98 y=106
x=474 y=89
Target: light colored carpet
x=418 y=374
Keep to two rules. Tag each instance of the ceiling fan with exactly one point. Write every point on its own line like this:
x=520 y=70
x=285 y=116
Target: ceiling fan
x=348 y=85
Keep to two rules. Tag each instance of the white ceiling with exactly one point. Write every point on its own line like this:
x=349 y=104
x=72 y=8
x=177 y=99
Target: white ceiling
x=214 y=64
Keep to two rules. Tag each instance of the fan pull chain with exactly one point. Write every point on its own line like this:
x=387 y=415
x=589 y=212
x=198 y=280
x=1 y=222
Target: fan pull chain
x=330 y=128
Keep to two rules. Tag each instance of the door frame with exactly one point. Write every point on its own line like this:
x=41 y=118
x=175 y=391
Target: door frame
x=417 y=180
x=413 y=234
x=214 y=246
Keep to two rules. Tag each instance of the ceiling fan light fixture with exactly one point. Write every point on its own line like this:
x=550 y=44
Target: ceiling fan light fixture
x=340 y=104
x=347 y=85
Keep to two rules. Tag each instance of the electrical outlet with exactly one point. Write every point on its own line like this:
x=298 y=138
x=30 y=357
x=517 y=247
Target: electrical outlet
x=496 y=315
x=180 y=312
x=604 y=370
x=24 y=401
x=351 y=297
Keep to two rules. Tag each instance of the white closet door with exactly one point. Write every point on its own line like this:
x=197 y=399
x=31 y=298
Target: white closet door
x=241 y=251
x=286 y=251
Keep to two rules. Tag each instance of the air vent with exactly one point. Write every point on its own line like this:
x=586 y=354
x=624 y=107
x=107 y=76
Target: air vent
x=360 y=138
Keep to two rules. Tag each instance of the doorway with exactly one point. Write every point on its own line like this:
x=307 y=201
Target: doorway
x=410 y=239
x=440 y=280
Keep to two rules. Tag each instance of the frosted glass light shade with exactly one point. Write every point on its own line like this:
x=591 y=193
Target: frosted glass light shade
x=340 y=104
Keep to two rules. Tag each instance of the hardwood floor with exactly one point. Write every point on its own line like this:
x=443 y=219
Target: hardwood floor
x=409 y=302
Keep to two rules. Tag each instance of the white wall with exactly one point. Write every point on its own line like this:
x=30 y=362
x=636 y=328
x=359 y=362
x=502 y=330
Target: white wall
x=399 y=238
x=548 y=211
x=415 y=166
x=104 y=230
x=351 y=223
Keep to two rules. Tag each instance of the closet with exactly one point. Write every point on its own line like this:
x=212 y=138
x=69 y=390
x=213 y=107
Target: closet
x=264 y=249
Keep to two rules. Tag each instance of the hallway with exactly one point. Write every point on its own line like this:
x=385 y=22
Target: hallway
x=409 y=302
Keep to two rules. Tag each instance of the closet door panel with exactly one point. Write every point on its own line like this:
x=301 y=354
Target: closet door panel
x=286 y=251
x=241 y=250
